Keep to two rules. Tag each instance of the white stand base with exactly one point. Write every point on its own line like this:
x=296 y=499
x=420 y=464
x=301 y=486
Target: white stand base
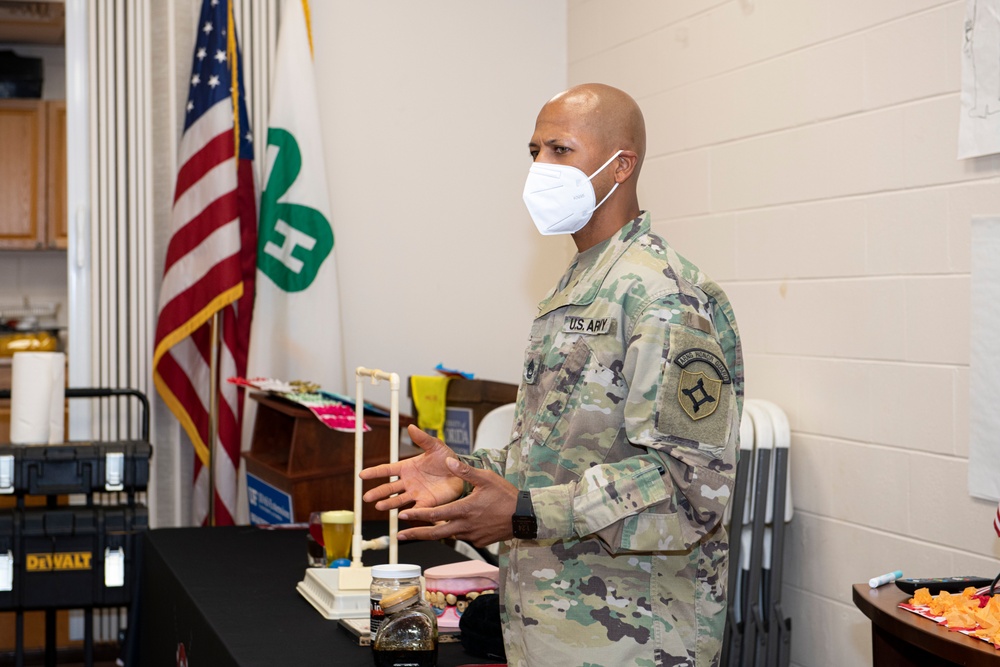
x=339 y=592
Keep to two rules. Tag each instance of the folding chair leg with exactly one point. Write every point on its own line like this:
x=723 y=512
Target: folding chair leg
x=736 y=651
x=785 y=645
x=731 y=641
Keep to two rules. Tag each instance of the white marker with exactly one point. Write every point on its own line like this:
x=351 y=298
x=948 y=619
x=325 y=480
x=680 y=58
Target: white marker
x=885 y=579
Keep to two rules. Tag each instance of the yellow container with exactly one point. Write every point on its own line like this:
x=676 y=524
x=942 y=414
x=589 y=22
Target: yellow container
x=28 y=341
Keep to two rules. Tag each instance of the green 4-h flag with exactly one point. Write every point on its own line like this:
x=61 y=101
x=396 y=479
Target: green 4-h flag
x=296 y=332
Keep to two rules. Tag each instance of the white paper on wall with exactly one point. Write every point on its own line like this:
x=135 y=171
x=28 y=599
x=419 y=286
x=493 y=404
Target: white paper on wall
x=984 y=361
x=979 y=124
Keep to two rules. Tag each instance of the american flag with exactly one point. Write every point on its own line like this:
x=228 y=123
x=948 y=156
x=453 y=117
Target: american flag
x=211 y=260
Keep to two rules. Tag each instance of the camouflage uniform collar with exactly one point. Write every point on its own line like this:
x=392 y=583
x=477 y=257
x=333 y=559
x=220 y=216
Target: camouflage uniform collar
x=590 y=269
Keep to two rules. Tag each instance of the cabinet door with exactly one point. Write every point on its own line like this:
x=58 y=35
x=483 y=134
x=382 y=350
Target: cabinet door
x=58 y=236
x=22 y=173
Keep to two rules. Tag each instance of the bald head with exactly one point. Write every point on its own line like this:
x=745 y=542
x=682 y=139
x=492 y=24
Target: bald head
x=609 y=115
x=598 y=130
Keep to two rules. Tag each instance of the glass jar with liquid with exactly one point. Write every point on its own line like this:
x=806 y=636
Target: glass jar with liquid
x=404 y=627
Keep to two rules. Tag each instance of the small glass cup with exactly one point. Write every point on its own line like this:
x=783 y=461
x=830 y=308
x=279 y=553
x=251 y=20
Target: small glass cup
x=315 y=551
x=338 y=527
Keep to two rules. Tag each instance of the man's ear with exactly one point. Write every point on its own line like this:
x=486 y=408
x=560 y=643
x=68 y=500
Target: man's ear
x=625 y=165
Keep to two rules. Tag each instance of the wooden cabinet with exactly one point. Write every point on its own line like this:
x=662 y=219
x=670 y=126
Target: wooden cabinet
x=57 y=219
x=33 y=174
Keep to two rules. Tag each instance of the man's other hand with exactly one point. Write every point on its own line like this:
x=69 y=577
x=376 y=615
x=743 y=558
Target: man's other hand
x=481 y=518
x=424 y=480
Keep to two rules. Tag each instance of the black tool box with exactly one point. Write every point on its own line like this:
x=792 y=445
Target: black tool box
x=75 y=467
x=69 y=557
x=80 y=467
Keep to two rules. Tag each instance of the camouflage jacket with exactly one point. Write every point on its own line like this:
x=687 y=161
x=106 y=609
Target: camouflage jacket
x=626 y=432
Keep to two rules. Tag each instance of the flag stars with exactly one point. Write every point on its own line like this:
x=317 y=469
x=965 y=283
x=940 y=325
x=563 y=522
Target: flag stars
x=195 y=80
x=202 y=53
x=190 y=106
x=220 y=56
x=208 y=27
x=213 y=81
x=249 y=137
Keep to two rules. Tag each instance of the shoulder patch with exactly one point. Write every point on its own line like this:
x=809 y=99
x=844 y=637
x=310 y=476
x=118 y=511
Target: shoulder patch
x=697 y=396
x=690 y=356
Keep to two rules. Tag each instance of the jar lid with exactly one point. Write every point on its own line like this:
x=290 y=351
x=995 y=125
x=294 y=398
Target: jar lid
x=399 y=571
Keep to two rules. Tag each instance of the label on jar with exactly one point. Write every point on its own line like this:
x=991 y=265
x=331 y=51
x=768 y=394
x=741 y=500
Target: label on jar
x=377 y=615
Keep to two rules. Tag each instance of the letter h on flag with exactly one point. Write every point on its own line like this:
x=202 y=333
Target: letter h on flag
x=211 y=261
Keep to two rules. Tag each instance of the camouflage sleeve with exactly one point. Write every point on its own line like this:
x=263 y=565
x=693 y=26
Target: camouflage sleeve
x=487 y=459
x=681 y=407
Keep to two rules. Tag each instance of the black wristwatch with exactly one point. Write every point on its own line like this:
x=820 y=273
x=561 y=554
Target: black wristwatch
x=523 y=519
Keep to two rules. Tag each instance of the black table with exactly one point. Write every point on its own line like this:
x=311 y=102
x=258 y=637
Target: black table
x=228 y=596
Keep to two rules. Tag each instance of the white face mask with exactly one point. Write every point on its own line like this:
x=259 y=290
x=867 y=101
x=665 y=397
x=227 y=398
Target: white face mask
x=560 y=198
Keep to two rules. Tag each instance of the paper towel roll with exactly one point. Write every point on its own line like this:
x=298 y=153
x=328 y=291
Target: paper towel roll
x=37 y=397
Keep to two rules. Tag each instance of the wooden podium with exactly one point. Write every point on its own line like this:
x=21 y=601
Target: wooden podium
x=293 y=451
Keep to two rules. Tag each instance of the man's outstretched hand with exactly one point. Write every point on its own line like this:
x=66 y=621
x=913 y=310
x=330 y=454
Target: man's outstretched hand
x=481 y=518
x=424 y=480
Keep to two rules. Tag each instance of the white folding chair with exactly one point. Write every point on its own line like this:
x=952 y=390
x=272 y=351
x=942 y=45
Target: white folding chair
x=493 y=431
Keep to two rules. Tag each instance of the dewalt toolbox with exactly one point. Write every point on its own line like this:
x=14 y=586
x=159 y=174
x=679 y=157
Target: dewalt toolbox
x=69 y=557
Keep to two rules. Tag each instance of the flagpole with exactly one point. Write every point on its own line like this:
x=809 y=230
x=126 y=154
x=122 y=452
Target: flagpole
x=213 y=412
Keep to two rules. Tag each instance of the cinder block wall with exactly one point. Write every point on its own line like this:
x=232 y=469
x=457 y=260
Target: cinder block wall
x=803 y=153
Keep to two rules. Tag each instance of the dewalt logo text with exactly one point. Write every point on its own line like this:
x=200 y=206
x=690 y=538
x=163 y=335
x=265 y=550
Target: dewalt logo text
x=69 y=560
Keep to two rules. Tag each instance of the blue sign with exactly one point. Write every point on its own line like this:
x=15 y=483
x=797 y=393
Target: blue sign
x=268 y=505
x=458 y=430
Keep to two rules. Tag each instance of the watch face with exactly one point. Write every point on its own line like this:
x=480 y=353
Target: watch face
x=525 y=527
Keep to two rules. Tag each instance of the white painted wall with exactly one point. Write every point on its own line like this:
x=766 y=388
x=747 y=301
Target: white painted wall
x=428 y=109
x=803 y=153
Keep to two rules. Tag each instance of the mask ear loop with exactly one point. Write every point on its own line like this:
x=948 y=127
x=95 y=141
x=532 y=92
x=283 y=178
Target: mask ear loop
x=601 y=168
x=615 y=187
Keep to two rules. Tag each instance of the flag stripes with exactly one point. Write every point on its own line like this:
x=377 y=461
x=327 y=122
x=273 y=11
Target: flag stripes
x=206 y=266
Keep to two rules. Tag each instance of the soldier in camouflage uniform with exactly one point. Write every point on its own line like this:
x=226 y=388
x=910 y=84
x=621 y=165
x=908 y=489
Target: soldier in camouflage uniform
x=625 y=434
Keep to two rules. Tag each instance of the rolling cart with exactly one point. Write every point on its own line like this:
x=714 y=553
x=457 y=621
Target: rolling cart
x=78 y=556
